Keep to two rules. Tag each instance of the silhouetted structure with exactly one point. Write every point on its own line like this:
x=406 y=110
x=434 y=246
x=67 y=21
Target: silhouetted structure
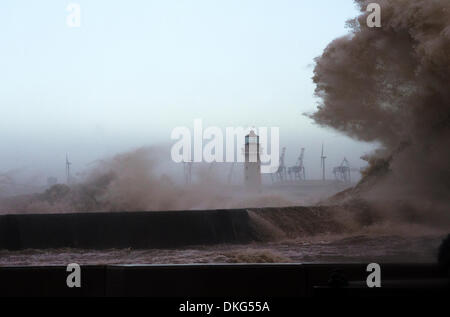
x=252 y=162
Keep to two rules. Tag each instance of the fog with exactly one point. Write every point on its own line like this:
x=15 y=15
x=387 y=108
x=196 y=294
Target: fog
x=130 y=74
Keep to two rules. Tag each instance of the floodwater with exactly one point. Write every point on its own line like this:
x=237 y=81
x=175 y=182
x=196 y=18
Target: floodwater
x=320 y=249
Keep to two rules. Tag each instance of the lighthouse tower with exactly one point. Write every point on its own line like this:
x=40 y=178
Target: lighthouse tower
x=252 y=162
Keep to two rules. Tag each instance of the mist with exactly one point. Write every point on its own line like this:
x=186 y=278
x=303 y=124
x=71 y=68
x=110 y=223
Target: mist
x=144 y=179
x=130 y=74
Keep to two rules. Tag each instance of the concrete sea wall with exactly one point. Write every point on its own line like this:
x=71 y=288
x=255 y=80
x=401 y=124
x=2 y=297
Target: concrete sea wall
x=165 y=229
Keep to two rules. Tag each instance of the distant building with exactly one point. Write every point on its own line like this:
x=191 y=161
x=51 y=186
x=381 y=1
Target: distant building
x=252 y=162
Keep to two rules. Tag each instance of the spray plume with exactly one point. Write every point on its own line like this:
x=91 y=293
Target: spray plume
x=392 y=85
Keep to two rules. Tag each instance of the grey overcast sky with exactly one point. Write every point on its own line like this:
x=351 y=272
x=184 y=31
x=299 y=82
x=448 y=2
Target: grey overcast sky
x=134 y=70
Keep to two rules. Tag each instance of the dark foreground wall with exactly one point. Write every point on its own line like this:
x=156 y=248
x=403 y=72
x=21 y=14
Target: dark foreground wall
x=239 y=280
x=164 y=229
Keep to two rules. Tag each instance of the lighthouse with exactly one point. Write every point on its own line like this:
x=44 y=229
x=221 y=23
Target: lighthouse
x=252 y=162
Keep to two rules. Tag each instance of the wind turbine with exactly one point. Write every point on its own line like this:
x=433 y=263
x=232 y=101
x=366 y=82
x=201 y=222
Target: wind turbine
x=68 y=169
x=322 y=164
